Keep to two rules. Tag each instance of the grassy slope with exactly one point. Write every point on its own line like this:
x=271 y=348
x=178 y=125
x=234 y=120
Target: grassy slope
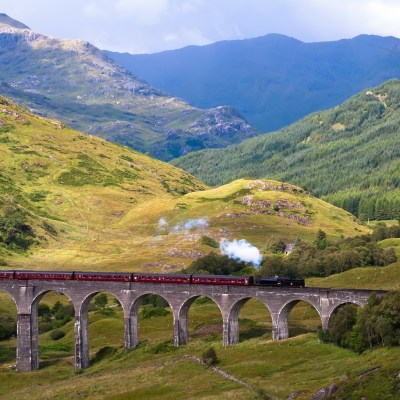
x=106 y=201
x=156 y=370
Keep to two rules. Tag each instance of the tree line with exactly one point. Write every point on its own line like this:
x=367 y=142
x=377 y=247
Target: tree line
x=323 y=258
x=377 y=324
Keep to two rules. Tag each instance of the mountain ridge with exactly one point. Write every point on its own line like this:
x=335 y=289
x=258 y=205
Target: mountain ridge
x=273 y=80
x=73 y=81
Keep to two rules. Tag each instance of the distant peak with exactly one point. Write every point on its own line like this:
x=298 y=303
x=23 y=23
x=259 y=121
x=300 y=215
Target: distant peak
x=13 y=23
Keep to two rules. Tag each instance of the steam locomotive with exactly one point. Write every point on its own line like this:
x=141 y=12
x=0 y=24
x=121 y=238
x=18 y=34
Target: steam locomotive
x=193 y=279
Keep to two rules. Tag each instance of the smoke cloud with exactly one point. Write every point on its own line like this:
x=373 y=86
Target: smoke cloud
x=162 y=223
x=241 y=250
x=191 y=224
x=196 y=223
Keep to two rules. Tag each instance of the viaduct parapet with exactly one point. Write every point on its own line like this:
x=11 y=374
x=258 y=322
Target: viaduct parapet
x=230 y=299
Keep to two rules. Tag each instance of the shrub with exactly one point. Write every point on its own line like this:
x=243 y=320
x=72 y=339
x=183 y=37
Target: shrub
x=150 y=311
x=208 y=241
x=57 y=334
x=210 y=357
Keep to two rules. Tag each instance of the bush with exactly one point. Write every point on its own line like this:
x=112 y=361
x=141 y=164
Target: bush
x=208 y=241
x=8 y=328
x=150 y=311
x=57 y=334
x=210 y=357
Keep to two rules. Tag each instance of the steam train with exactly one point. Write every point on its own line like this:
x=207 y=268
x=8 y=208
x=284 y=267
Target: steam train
x=193 y=279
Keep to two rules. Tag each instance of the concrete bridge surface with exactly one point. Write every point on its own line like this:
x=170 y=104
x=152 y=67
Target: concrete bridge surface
x=279 y=301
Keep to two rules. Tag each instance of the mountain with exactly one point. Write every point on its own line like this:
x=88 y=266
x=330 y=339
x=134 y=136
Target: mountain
x=75 y=201
x=348 y=155
x=272 y=80
x=73 y=81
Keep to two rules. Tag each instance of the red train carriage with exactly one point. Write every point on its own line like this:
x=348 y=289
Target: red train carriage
x=7 y=274
x=103 y=276
x=222 y=280
x=161 y=278
x=44 y=275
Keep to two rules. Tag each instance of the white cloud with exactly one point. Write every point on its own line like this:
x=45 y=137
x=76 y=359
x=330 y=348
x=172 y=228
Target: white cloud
x=144 y=12
x=156 y=25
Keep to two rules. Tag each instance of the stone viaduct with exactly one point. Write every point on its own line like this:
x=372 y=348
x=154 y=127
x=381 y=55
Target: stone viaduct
x=279 y=301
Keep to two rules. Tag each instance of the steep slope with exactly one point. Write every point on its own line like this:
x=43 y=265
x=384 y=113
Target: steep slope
x=97 y=205
x=73 y=81
x=272 y=80
x=349 y=155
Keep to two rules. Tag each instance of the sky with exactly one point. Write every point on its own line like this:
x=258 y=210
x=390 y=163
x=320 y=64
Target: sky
x=149 y=26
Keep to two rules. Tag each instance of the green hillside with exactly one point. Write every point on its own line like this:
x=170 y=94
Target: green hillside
x=299 y=366
x=348 y=155
x=77 y=201
x=74 y=82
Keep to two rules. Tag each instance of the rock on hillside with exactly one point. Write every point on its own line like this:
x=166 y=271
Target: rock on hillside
x=75 y=82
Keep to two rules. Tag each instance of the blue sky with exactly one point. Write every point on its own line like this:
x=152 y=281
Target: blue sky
x=147 y=26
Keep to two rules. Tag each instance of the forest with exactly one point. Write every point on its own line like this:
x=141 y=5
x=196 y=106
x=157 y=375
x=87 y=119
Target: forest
x=348 y=155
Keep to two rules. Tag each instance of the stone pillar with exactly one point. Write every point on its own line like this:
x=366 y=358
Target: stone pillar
x=131 y=331
x=81 y=340
x=280 y=326
x=181 y=330
x=27 y=343
x=231 y=329
x=325 y=322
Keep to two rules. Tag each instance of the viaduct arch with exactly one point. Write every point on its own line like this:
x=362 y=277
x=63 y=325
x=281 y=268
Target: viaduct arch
x=229 y=299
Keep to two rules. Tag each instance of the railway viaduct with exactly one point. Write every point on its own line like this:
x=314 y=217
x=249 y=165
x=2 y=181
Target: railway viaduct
x=279 y=301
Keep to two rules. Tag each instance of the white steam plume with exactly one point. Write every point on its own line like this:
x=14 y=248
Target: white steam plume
x=162 y=223
x=191 y=224
x=241 y=250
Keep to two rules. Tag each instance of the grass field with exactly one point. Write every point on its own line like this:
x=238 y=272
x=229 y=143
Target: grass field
x=157 y=370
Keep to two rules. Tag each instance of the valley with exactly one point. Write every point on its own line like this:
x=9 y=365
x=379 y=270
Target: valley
x=101 y=171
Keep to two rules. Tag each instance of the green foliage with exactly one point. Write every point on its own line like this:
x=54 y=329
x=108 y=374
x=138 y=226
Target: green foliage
x=151 y=311
x=320 y=240
x=377 y=324
x=44 y=310
x=277 y=246
x=347 y=155
x=155 y=300
x=101 y=300
x=14 y=229
x=57 y=334
x=208 y=241
x=215 y=264
x=8 y=327
x=209 y=357
x=54 y=317
x=38 y=196
x=323 y=258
